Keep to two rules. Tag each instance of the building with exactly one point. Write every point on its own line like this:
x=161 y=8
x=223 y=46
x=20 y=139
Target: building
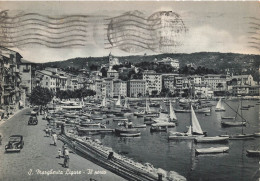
x=47 y=79
x=98 y=88
x=111 y=73
x=169 y=61
x=108 y=87
x=202 y=91
x=169 y=82
x=244 y=79
x=246 y=90
x=216 y=82
x=120 y=88
x=136 y=88
x=10 y=79
x=153 y=82
x=26 y=76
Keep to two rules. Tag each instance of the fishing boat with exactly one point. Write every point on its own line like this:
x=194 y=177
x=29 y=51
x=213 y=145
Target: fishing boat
x=215 y=139
x=253 y=153
x=162 y=126
x=193 y=131
x=219 y=106
x=212 y=150
x=223 y=117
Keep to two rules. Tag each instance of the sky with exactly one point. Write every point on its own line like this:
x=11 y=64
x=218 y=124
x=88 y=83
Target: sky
x=210 y=27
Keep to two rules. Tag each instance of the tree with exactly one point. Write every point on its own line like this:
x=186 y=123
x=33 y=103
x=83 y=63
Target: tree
x=104 y=72
x=40 y=96
x=154 y=93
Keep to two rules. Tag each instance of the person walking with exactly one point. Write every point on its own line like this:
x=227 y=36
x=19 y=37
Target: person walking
x=66 y=158
x=54 y=137
x=59 y=153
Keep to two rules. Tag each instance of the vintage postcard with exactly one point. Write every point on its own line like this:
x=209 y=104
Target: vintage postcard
x=129 y=90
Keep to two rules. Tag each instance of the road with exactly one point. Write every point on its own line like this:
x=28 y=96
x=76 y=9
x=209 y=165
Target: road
x=39 y=156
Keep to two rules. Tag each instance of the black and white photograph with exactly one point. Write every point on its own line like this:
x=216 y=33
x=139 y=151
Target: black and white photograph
x=129 y=90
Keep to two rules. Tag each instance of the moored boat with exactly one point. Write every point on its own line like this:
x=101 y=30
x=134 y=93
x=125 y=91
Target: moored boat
x=232 y=124
x=226 y=117
x=130 y=134
x=215 y=139
x=212 y=150
x=257 y=134
x=162 y=126
x=254 y=153
x=242 y=137
x=219 y=106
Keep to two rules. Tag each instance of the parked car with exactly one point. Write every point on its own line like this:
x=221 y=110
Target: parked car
x=33 y=120
x=15 y=143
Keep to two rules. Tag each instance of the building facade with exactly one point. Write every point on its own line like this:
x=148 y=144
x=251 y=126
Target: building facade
x=153 y=82
x=136 y=88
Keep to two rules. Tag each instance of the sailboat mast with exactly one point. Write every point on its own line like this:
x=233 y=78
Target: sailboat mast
x=190 y=106
x=242 y=116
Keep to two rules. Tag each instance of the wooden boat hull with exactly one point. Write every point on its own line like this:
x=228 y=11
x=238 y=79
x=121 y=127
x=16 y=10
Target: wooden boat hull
x=220 y=110
x=227 y=117
x=253 y=153
x=139 y=126
x=212 y=150
x=130 y=134
x=242 y=137
x=216 y=139
x=188 y=137
x=257 y=134
x=233 y=124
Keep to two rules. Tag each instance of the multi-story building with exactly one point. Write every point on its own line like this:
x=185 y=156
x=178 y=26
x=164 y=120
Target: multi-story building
x=10 y=89
x=136 y=88
x=108 y=85
x=153 y=82
x=26 y=76
x=244 y=79
x=202 y=91
x=216 y=82
x=120 y=88
x=169 y=82
x=98 y=88
x=47 y=79
x=246 y=90
x=112 y=74
x=171 y=62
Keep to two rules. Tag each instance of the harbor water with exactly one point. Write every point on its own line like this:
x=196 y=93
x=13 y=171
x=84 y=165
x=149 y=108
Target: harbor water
x=179 y=156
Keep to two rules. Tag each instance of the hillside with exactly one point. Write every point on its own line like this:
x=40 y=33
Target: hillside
x=236 y=63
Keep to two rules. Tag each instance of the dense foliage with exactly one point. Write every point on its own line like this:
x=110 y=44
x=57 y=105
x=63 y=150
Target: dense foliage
x=78 y=93
x=40 y=96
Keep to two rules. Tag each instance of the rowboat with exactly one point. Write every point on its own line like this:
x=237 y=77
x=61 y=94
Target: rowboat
x=161 y=126
x=257 y=134
x=139 y=126
x=223 y=117
x=212 y=150
x=130 y=134
x=120 y=119
x=232 y=124
x=216 y=139
x=242 y=137
x=253 y=153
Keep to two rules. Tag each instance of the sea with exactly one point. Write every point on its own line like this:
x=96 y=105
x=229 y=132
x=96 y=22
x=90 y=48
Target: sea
x=179 y=156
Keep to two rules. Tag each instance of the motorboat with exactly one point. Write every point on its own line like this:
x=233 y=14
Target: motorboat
x=212 y=150
x=215 y=139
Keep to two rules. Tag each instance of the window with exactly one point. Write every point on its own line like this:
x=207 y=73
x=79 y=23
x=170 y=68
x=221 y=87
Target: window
x=46 y=83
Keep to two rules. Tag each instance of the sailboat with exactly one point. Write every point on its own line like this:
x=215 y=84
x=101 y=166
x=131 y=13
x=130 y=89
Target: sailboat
x=220 y=106
x=118 y=102
x=104 y=102
x=193 y=131
x=241 y=136
x=163 y=107
x=126 y=107
x=172 y=114
x=147 y=112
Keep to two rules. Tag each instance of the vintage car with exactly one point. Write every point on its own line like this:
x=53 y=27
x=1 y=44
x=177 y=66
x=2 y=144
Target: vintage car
x=15 y=143
x=33 y=120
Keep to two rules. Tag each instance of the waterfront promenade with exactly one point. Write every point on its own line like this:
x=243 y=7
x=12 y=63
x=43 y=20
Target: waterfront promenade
x=37 y=160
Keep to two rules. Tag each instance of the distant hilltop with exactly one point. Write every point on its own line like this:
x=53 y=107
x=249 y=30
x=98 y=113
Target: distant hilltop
x=222 y=62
